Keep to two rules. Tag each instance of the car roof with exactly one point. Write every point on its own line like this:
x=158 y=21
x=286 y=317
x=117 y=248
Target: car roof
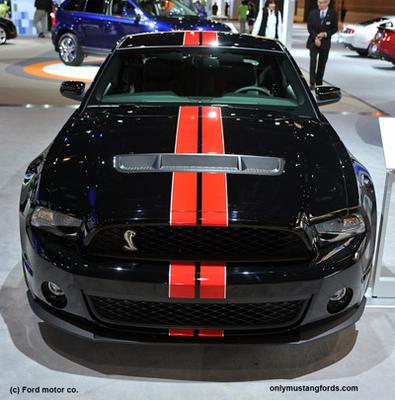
x=199 y=38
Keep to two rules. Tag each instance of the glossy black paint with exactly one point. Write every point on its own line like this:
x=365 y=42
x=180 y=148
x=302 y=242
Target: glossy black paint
x=75 y=175
x=225 y=39
x=327 y=94
x=73 y=90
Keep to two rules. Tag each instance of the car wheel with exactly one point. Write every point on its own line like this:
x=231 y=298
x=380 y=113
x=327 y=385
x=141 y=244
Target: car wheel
x=362 y=53
x=70 y=51
x=3 y=35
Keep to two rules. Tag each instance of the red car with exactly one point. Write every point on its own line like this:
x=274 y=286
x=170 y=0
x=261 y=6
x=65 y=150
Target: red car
x=383 y=44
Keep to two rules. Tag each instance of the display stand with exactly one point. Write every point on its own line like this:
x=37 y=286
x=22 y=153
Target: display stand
x=385 y=286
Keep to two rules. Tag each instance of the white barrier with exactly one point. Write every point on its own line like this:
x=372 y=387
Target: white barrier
x=385 y=286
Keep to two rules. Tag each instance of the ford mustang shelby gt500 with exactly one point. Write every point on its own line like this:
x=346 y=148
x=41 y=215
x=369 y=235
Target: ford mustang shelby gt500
x=197 y=194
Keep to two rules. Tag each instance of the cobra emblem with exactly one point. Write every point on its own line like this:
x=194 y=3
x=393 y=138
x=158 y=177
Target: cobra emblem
x=129 y=235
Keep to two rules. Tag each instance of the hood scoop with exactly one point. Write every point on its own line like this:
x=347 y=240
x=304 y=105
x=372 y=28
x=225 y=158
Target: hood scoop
x=226 y=163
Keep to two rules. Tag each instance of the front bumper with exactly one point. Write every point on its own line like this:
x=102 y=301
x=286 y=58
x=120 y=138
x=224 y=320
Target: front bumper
x=354 y=48
x=93 y=332
x=254 y=283
x=376 y=52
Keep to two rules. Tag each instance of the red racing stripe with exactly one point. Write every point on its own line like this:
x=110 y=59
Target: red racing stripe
x=184 y=188
x=182 y=280
x=180 y=332
x=183 y=201
x=212 y=281
x=191 y=38
x=214 y=202
x=210 y=39
x=211 y=333
x=214 y=189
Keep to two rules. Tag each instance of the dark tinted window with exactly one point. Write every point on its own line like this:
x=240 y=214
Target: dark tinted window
x=120 y=7
x=373 y=21
x=168 y=8
x=203 y=75
x=95 y=6
x=75 y=5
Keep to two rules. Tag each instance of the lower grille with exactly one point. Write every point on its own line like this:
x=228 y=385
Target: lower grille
x=200 y=243
x=197 y=315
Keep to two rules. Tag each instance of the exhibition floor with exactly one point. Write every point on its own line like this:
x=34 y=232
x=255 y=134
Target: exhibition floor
x=35 y=354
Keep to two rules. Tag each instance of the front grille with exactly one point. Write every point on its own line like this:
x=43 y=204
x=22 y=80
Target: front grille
x=197 y=315
x=200 y=243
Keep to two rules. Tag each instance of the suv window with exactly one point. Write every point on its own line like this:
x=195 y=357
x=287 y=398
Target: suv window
x=95 y=6
x=118 y=6
x=75 y=5
x=168 y=8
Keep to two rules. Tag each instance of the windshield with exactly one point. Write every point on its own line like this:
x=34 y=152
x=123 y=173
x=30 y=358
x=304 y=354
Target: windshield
x=165 y=8
x=204 y=76
x=373 y=21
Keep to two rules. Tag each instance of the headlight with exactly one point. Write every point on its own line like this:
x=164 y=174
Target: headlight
x=55 y=221
x=340 y=228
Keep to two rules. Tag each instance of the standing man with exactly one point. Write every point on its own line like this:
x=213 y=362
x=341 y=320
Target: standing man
x=321 y=24
x=227 y=6
x=40 y=19
x=214 y=9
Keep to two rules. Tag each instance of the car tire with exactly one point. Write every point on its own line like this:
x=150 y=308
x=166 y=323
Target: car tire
x=362 y=53
x=3 y=35
x=69 y=50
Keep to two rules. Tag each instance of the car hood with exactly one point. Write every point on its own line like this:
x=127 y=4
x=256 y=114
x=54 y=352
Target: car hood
x=79 y=176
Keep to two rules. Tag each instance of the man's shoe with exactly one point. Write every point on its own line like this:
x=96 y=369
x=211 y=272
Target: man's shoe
x=41 y=35
x=312 y=86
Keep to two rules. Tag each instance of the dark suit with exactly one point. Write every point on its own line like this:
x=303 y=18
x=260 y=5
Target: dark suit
x=315 y=26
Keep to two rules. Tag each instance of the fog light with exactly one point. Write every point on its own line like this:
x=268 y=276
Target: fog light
x=55 y=289
x=339 y=300
x=339 y=295
x=54 y=294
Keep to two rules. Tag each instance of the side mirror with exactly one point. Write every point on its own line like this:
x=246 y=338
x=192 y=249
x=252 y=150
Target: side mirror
x=327 y=95
x=73 y=90
x=388 y=24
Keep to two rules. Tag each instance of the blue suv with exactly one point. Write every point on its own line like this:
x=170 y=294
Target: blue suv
x=85 y=27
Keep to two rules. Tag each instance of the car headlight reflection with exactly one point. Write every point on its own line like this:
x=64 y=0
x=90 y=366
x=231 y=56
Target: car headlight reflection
x=379 y=36
x=54 y=221
x=340 y=228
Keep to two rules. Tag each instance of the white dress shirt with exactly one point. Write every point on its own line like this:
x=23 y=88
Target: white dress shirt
x=323 y=13
x=271 y=24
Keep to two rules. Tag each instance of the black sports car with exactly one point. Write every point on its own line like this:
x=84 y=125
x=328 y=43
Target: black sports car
x=7 y=30
x=198 y=194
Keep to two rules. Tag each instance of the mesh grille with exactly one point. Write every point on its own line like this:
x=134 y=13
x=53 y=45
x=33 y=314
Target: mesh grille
x=210 y=315
x=203 y=243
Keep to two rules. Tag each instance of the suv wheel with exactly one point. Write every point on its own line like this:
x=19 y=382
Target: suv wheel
x=3 y=35
x=70 y=51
